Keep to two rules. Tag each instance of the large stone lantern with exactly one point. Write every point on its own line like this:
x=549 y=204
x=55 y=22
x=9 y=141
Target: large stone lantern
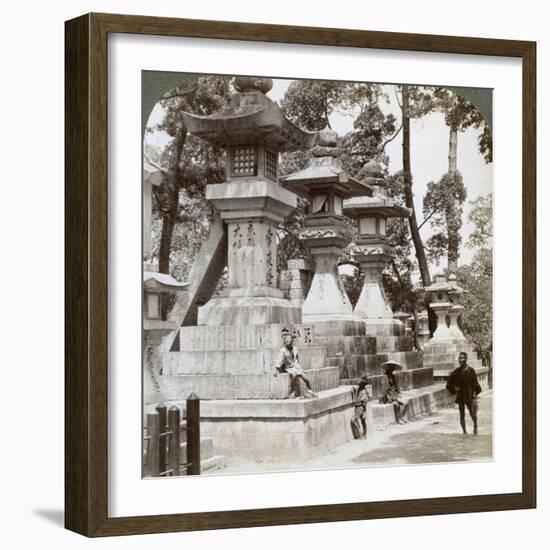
x=253 y=131
x=372 y=250
x=326 y=184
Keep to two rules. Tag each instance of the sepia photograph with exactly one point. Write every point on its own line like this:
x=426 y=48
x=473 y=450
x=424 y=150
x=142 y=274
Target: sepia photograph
x=317 y=274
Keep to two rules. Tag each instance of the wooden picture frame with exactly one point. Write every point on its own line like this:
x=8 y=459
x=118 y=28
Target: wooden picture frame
x=86 y=282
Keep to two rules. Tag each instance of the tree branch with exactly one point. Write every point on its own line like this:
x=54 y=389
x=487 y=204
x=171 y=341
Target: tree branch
x=426 y=219
x=397 y=97
x=392 y=138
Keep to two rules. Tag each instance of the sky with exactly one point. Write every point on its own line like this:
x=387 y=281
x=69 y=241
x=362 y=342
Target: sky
x=429 y=157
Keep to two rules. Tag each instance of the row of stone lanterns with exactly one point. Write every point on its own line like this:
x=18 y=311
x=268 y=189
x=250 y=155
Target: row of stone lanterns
x=327 y=185
x=333 y=194
x=253 y=131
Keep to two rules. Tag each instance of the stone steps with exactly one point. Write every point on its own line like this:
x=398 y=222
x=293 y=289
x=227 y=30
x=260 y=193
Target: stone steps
x=244 y=386
x=421 y=401
x=355 y=366
x=449 y=367
x=450 y=347
x=434 y=358
x=236 y=362
x=393 y=343
x=406 y=380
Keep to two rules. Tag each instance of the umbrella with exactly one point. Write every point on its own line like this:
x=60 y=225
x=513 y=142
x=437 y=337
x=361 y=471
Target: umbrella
x=394 y=364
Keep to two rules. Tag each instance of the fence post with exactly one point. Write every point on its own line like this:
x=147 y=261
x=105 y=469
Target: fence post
x=174 y=449
x=153 y=431
x=161 y=409
x=193 y=436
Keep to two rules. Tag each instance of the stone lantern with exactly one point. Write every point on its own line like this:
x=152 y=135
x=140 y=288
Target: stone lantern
x=152 y=177
x=373 y=251
x=456 y=309
x=326 y=184
x=443 y=295
x=423 y=328
x=156 y=288
x=253 y=131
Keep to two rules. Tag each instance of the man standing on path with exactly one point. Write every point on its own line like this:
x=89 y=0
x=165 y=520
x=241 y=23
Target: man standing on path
x=464 y=384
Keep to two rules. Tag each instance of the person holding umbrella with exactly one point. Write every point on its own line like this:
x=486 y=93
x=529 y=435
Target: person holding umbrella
x=391 y=394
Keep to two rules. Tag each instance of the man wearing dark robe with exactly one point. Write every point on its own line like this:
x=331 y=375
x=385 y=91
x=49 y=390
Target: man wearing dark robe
x=464 y=384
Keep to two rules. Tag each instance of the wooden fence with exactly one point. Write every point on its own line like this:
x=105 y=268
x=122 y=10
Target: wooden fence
x=163 y=438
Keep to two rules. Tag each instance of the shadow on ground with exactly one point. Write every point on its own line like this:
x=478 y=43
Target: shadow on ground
x=415 y=448
x=56 y=517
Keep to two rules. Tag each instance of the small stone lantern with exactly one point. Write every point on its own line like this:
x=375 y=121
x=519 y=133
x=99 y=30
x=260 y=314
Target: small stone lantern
x=456 y=308
x=444 y=297
x=326 y=184
x=156 y=288
x=372 y=250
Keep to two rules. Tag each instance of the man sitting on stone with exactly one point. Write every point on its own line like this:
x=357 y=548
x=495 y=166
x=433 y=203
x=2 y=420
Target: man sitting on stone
x=390 y=393
x=287 y=361
x=464 y=384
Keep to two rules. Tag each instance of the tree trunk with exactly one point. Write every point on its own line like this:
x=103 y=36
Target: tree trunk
x=452 y=230
x=453 y=148
x=407 y=181
x=170 y=207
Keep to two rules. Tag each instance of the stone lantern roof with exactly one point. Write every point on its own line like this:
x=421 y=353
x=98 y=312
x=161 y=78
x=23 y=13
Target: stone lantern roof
x=152 y=174
x=376 y=205
x=251 y=117
x=161 y=282
x=325 y=172
x=441 y=284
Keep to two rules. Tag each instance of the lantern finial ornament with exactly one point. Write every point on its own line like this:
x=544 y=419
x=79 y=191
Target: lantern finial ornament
x=246 y=84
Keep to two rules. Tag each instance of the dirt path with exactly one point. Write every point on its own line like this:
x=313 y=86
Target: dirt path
x=432 y=439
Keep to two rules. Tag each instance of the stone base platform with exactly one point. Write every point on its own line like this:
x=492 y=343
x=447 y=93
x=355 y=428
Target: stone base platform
x=406 y=380
x=242 y=386
x=235 y=361
x=285 y=431
x=384 y=327
x=227 y=310
x=355 y=366
x=442 y=356
x=421 y=401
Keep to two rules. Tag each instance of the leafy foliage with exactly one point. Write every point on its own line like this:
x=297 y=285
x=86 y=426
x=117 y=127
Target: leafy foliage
x=477 y=319
x=461 y=114
x=308 y=103
x=188 y=164
x=481 y=215
x=443 y=207
x=477 y=278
